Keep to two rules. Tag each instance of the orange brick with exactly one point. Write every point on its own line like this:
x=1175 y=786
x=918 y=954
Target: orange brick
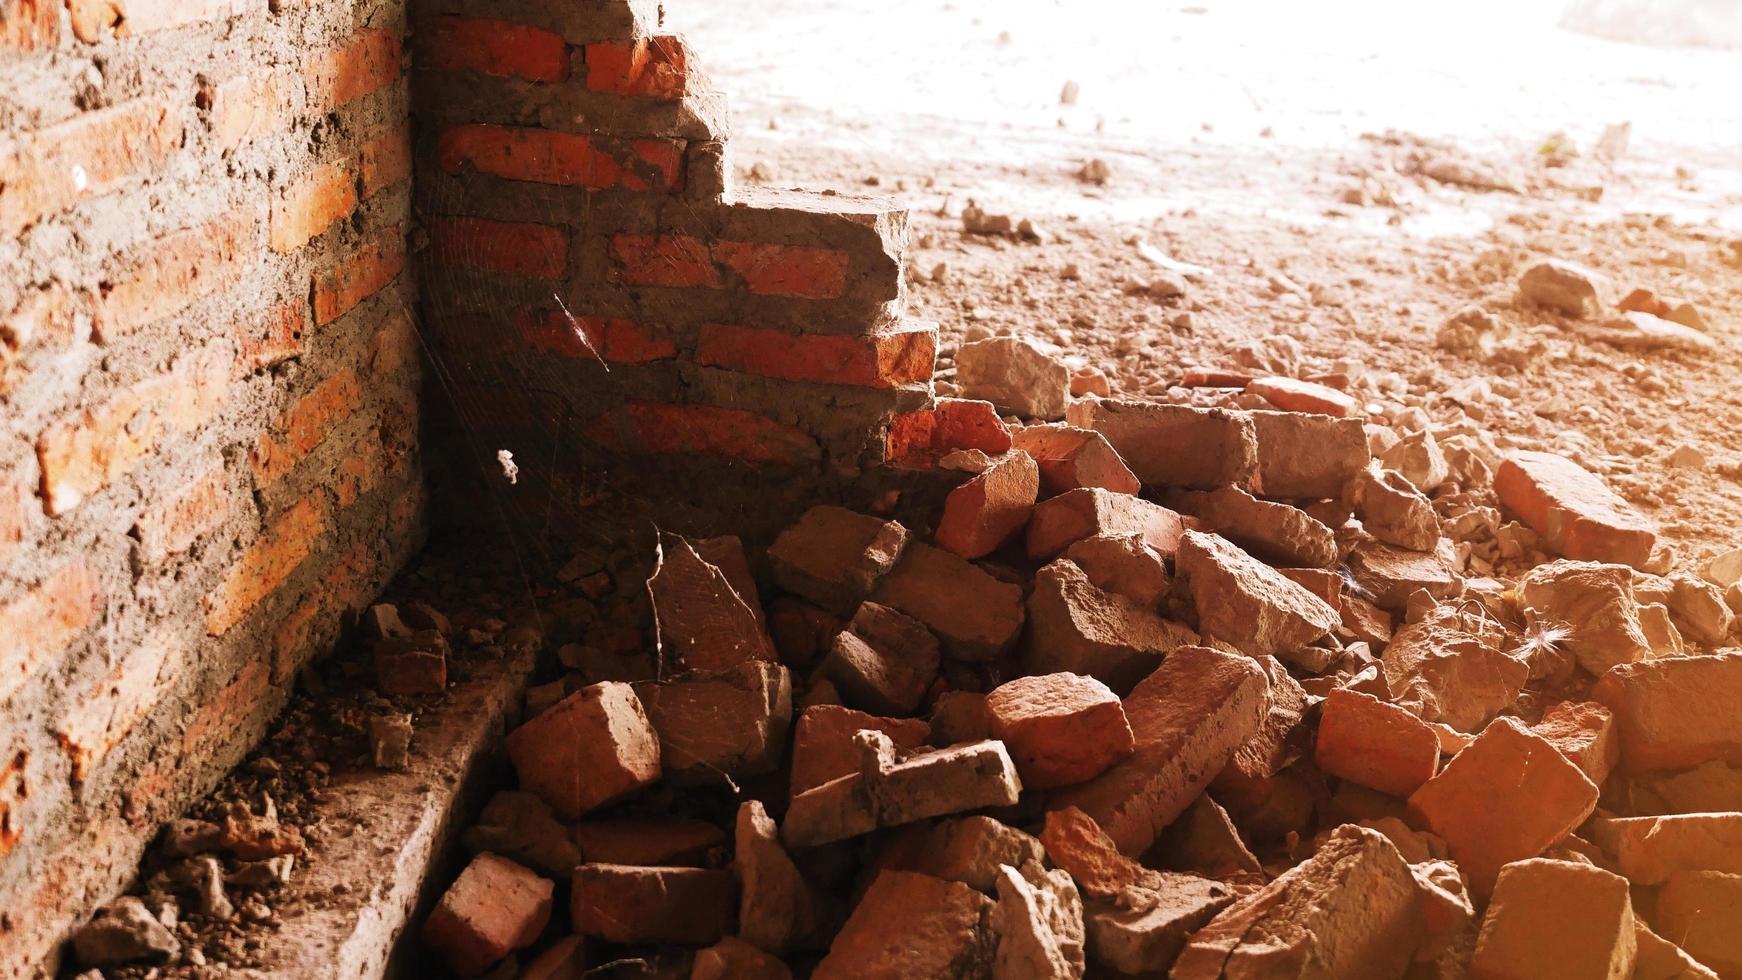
x=651 y=67
x=170 y=273
x=617 y=341
x=172 y=526
x=110 y=708
x=1292 y=395
x=30 y=26
x=655 y=427
x=1375 y=744
x=953 y=423
x=51 y=170
x=804 y=271
x=340 y=75
x=386 y=160
x=377 y=456
x=511 y=247
x=347 y=585
x=94 y=20
x=38 y=625
x=881 y=360
x=245 y=107
x=275 y=335
x=495 y=47
x=279 y=551
x=358 y=277
x=664 y=260
x=1573 y=510
x=311 y=206
x=564 y=159
x=304 y=426
x=95 y=446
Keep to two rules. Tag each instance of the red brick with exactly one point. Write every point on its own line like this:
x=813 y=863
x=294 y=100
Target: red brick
x=348 y=584
x=1061 y=521
x=804 y=271
x=386 y=160
x=918 y=438
x=1576 y=514
x=650 y=67
x=45 y=620
x=304 y=426
x=167 y=275
x=656 y=427
x=273 y=335
x=644 y=840
x=30 y=26
x=494 y=908
x=311 y=206
x=358 y=276
x=495 y=47
x=40 y=175
x=593 y=747
x=339 y=75
x=109 y=709
x=173 y=525
x=94 y=19
x=664 y=260
x=1584 y=731
x=1374 y=744
x=1070 y=458
x=1292 y=395
x=279 y=551
x=377 y=456
x=881 y=360
x=511 y=247
x=617 y=341
x=623 y=903
x=989 y=509
x=564 y=159
x=883 y=937
x=246 y=107
x=92 y=448
x=1060 y=728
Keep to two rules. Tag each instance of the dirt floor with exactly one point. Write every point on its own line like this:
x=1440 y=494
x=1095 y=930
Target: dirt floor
x=1281 y=148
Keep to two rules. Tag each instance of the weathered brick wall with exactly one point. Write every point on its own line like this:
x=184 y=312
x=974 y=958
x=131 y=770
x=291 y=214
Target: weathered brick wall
x=571 y=160
x=208 y=402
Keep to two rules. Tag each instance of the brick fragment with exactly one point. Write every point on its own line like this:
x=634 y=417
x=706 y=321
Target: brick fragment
x=385 y=160
x=1556 y=918
x=593 y=162
x=769 y=269
x=1700 y=909
x=1059 y=728
x=1574 y=511
x=1246 y=603
x=1675 y=713
x=622 y=903
x=884 y=359
x=703 y=621
x=1276 y=533
x=1017 y=375
x=884 y=662
x=1070 y=458
x=416 y=663
x=170 y=273
x=522 y=828
x=776 y=910
x=1597 y=607
x=1584 y=732
x=173 y=526
x=1204 y=841
x=1076 y=843
x=647 y=67
x=592 y=748
x=1649 y=850
x=1039 y=923
x=734 y=959
x=912 y=925
x=918 y=439
x=1306 y=457
x=664 y=429
x=1144 y=936
x=494 y=908
x=732 y=722
x=30 y=26
x=304 y=426
x=565 y=959
x=1443 y=674
x=280 y=550
x=989 y=509
x=1377 y=745
x=935 y=782
x=1076 y=514
x=1351 y=909
x=1506 y=797
x=1123 y=565
x=1082 y=629
x=1394 y=511
x=1188 y=717
x=976 y=616
x=1294 y=395
x=834 y=557
x=1391 y=575
x=647 y=840
x=823 y=748
x=1175 y=445
x=495 y=47
x=959 y=716
x=836 y=810
x=109 y=147
x=965 y=849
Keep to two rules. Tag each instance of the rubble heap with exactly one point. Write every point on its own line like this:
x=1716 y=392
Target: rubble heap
x=1166 y=688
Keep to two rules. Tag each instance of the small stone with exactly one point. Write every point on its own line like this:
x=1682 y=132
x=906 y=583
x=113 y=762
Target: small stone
x=1563 y=287
x=1016 y=375
x=1060 y=728
x=626 y=904
x=390 y=741
x=494 y=908
x=1556 y=919
x=122 y=932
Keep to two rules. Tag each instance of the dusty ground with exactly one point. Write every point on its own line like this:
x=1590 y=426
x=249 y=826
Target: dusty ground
x=1276 y=146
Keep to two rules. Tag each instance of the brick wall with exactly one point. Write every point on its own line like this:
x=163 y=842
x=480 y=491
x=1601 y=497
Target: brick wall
x=208 y=402
x=606 y=308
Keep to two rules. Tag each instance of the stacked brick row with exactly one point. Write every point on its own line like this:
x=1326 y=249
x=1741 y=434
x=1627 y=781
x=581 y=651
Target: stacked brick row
x=596 y=289
x=208 y=403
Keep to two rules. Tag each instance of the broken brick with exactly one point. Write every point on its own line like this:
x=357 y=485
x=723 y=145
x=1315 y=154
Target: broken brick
x=415 y=663
x=1583 y=731
x=1444 y=674
x=988 y=510
x=1188 y=718
x=1016 y=375
x=1305 y=457
x=1596 y=607
x=912 y=925
x=1070 y=458
x=883 y=662
x=1077 y=514
x=732 y=722
x=965 y=849
x=1123 y=565
x=1143 y=932
x=1648 y=850
x=494 y=908
x=1675 y=713
x=1277 y=533
x=522 y=828
x=834 y=557
x=1506 y=797
x=1246 y=603
x=1378 y=745
x=1176 y=445
x=703 y=620
x=626 y=904
x=1389 y=576
x=1556 y=919
x=823 y=747
x=1039 y=924
x=1572 y=509
x=959 y=716
x=1059 y=728
x=934 y=783
x=594 y=747
x=1293 y=395
x=776 y=910
x=975 y=615
x=1082 y=629
x=1204 y=841
x=647 y=841
x=1701 y=909
x=1394 y=511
